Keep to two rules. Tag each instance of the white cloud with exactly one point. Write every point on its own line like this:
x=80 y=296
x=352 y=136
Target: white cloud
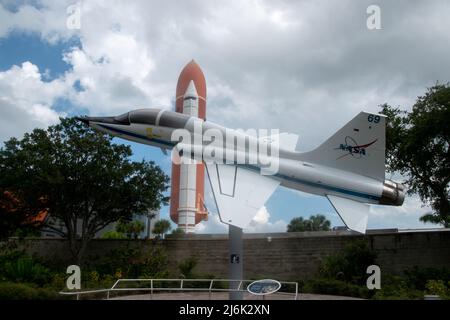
x=261 y=223
x=303 y=67
x=26 y=100
x=404 y=217
x=213 y=225
x=47 y=20
x=261 y=217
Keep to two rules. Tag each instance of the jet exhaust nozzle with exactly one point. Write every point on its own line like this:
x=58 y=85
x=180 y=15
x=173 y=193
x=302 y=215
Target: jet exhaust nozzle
x=393 y=193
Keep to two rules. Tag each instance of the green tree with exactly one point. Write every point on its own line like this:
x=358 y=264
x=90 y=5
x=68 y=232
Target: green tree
x=297 y=225
x=85 y=181
x=315 y=223
x=113 y=235
x=417 y=146
x=130 y=229
x=178 y=231
x=319 y=223
x=162 y=227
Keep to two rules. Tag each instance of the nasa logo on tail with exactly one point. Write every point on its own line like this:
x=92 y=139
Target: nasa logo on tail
x=352 y=148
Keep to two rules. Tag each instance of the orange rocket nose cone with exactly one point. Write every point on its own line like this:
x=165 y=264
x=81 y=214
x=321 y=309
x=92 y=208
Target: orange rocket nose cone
x=191 y=71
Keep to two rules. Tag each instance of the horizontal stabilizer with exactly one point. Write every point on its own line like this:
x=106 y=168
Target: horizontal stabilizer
x=353 y=213
x=239 y=193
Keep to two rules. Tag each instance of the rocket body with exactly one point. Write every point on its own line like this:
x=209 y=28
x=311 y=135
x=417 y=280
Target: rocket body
x=187 y=190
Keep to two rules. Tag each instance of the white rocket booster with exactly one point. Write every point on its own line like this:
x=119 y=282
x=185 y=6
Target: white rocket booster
x=188 y=171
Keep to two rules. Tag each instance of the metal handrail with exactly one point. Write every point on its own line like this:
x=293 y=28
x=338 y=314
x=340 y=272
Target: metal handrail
x=152 y=288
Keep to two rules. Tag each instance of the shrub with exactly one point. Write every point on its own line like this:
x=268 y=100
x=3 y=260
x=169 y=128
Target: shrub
x=336 y=287
x=438 y=287
x=187 y=266
x=116 y=259
x=94 y=276
x=396 y=288
x=133 y=264
x=350 y=265
x=108 y=281
x=418 y=277
x=25 y=269
x=155 y=264
x=58 y=281
x=20 y=291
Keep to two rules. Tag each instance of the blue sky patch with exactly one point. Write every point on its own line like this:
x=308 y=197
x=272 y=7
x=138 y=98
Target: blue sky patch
x=19 y=47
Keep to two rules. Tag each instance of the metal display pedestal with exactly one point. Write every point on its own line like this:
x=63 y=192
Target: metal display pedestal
x=236 y=260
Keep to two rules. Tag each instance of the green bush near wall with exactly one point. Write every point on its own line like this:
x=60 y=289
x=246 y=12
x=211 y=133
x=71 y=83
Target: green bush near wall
x=18 y=267
x=21 y=291
x=344 y=274
x=336 y=287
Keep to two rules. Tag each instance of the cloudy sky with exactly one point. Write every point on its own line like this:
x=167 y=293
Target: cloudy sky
x=305 y=67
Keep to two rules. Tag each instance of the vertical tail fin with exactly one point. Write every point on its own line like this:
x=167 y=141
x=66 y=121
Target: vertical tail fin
x=358 y=147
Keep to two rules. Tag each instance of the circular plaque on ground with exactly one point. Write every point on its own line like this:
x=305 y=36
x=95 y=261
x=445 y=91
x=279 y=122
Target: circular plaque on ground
x=263 y=287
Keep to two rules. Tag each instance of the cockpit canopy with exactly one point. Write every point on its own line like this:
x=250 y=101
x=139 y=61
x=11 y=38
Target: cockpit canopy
x=123 y=119
x=167 y=118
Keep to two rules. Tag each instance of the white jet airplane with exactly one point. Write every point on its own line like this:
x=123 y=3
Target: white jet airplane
x=348 y=168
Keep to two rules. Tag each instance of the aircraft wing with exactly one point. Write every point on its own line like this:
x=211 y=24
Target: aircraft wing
x=239 y=193
x=353 y=213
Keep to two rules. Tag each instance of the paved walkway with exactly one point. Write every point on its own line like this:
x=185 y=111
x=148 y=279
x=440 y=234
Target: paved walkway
x=224 y=296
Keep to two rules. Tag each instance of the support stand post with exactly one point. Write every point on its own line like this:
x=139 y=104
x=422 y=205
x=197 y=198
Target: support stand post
x=236 y=260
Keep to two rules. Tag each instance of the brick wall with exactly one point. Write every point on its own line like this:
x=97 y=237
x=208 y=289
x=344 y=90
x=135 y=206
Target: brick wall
x=283 y=256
